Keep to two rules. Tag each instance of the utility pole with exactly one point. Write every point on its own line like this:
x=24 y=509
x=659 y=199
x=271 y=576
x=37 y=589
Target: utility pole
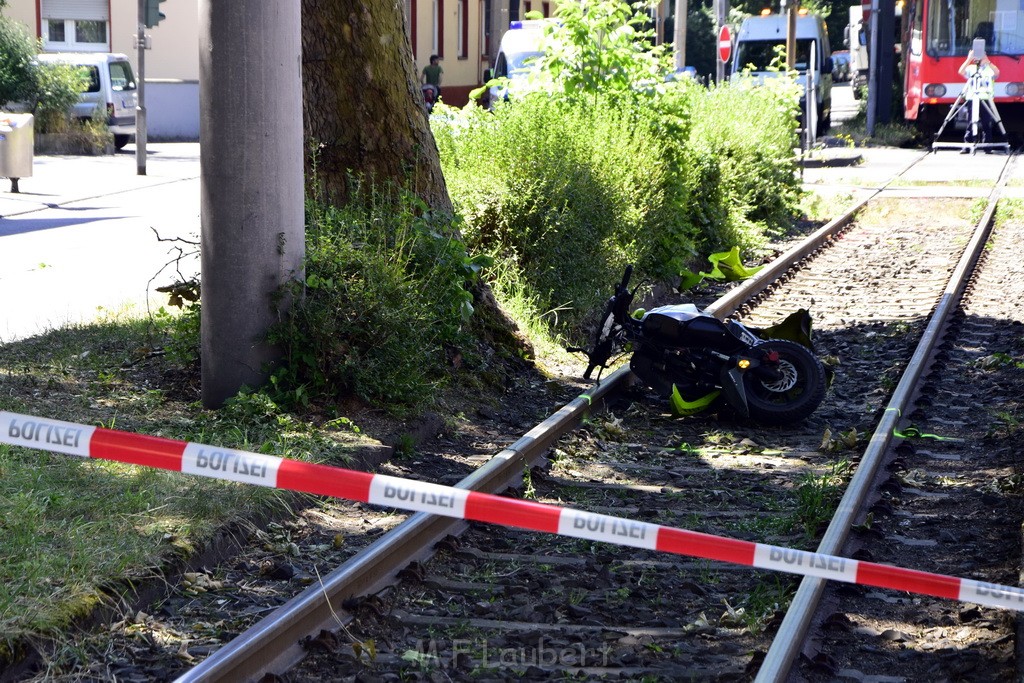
x=679 y=31
x=140 y=108
x=251 y=172
x=881 y=69
x=721 y=9
x=792 y=8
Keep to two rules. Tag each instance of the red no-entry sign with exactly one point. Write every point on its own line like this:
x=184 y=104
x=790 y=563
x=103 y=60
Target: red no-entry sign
x=724 y=44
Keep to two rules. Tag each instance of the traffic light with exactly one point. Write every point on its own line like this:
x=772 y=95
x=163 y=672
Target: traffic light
x=153 y=13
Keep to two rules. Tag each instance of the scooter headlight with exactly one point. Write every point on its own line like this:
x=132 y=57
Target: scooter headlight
x=934 y=90
x=1014 y=89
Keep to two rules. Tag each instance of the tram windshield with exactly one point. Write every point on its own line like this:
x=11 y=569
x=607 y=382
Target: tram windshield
x=954 y=24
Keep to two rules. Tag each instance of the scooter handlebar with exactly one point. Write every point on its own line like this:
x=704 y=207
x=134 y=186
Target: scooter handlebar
x=625 y=277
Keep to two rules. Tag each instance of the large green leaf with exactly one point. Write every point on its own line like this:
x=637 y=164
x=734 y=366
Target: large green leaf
x=726 y=266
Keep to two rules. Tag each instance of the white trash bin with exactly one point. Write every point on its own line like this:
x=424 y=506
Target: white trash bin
x=17 y=147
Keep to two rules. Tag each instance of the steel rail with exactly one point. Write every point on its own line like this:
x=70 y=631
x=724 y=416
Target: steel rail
x=789 y=640
x=735 y=298
x=274 y=644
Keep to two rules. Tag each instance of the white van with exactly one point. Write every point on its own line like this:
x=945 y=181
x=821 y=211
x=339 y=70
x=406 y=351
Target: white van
x=758 y=43
x=111 y=88
x=857 y=41
x=520 y=45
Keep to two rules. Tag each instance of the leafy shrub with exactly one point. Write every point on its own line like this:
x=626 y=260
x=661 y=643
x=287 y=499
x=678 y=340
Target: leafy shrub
x=47 y=90
x=55 y=89
x=750 y=132
x=600 y=48
x=17 y=50
x=604 y=161
x=384 y=300
x=566 y=192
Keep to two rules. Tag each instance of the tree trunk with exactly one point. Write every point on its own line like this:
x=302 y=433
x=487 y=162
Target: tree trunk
x=364 y=109
x=364 y=115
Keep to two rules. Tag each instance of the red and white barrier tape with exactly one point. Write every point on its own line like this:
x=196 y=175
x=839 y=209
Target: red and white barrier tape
x=378 y=489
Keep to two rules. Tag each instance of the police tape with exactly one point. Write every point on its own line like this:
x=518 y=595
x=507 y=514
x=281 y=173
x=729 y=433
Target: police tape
x=418 y=496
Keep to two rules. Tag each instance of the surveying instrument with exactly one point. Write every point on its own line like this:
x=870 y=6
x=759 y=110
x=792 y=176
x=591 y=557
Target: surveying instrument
x=978 y=94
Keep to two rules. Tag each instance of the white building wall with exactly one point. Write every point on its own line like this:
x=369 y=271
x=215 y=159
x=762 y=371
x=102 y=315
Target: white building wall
x=172 y=110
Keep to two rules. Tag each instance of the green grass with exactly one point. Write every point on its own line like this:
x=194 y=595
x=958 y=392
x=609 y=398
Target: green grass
x=824 y=207
x=1010 y=210
x=73 y=531
x=884 y=135
x=963 y=182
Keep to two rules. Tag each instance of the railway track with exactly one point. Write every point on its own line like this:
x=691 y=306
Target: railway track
x=505 y=603
x=497 y=603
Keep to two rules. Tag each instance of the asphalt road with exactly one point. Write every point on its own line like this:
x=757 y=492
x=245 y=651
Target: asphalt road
x=80 y=240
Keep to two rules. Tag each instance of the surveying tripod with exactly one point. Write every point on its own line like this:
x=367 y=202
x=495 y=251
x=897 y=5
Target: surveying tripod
x=971 y=95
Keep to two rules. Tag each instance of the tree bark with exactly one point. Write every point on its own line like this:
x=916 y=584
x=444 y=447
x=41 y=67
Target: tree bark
x=364 y=110
x=364 y=116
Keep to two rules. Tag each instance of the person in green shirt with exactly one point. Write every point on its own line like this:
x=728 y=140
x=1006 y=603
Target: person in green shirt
x=432 y=75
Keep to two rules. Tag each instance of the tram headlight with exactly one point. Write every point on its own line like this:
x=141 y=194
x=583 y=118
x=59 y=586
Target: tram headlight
x=934 y=90
x=1014 y=89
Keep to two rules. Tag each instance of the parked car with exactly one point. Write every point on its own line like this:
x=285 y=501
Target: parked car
x=841 y=65
x=111 y=89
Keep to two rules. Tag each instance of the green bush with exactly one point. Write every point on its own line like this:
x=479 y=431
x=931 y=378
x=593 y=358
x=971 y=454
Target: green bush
x=47 y=90
x=565 y=192
x=17 y=50
x=385 y=300
x=55 y=89
x=750 y=132
x=602 y=48
x=604 y=161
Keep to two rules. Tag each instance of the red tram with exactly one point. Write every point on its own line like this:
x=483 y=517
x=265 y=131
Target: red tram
x=936 y=37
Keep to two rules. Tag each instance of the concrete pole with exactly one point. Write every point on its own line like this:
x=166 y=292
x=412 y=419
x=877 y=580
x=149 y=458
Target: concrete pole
x=679 y=33
x=792 y=7
x=141 y=129
x=885 y=10
x=721 y=8
x=251 y=153
x=873 y=53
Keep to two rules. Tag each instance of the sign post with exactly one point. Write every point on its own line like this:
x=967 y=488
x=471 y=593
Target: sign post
x=724 y=49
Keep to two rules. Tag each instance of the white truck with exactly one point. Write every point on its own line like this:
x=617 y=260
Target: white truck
x=857 y=40
x=763 y=38
x=520 y=46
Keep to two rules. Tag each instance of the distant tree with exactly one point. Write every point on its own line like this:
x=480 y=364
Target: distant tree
x=17 y=51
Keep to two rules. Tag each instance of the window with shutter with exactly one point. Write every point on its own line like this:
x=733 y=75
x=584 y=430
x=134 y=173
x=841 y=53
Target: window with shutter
x=75 y=25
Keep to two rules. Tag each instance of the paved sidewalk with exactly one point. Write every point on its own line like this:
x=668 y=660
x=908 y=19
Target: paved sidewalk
x=860 y=172
x=79 y=240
